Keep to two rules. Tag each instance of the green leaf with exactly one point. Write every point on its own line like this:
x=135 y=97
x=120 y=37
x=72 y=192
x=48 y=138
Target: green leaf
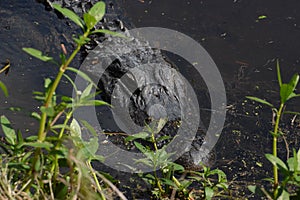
x=294 y=81
x=3 y=88
x=169 y=182
x=278 y=73
x=140 y=147
x=277 y=162
x=108 y=32
x=177 y=167
x=284 y=195
x=37 y=54
x=83 y=75
x=91 y=103
x=89 y=20
x=10 y=134
x=260 y=101
x=294 y=162
x=89 y=127
x=45 y=145
x=98 y=11
x=81 y=40
x=161 y=123
x=291 y=112
x=70 y=14
x=141 y=135
x=86 y=91
x=92 y=146
x=75 y=129
x=262 y=17
x=255 y=189
x=286 y=91
x=48 y=110
x=20 y=137
x=209 y=193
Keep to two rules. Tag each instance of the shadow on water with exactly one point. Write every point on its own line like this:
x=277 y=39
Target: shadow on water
x=243 y=46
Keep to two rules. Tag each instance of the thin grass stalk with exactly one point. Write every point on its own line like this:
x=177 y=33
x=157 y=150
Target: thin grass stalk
x=275 y=169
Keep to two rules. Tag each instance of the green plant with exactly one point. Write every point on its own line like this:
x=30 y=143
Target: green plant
x=287 y=92
x=163 y=179
x=212 y=186
x=57 y=165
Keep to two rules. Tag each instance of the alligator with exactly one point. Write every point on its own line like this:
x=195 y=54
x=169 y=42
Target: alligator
x=142 y=83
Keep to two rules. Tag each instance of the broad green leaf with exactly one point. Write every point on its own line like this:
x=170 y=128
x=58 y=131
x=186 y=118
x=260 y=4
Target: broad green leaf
x=75 y=129
x=89 y=20
x=209 y=193
x=83 y=75
x=260 y=101
x=48 y=110
x=286 y=91
x=108 y=32
x=277 y=162
x=98 y=11
x=9 y=132
x=278 y=74
x=37 y=54
x=92 y=146
x=161 y=123
x=141 y=135
x=284 y=195
x=3 y=88
x=70 y=14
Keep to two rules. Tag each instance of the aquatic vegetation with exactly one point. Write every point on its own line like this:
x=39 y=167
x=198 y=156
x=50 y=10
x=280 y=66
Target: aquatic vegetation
x=56 y=166
x=164 y=181
x=289 y=171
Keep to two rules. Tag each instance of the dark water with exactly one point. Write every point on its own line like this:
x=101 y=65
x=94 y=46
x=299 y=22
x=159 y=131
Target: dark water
x=245 y=49
x=243 y=46
x=25 y=23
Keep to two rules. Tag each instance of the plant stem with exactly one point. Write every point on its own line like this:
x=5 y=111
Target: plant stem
x=96 y=180
x=42 y=133
x=275 y=169
x=63 y=67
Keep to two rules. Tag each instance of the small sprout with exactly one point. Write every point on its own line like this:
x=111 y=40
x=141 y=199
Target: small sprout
x=262 y=17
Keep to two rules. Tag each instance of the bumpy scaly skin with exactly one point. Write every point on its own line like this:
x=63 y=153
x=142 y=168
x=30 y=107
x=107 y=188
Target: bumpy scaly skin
x=152 y=80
